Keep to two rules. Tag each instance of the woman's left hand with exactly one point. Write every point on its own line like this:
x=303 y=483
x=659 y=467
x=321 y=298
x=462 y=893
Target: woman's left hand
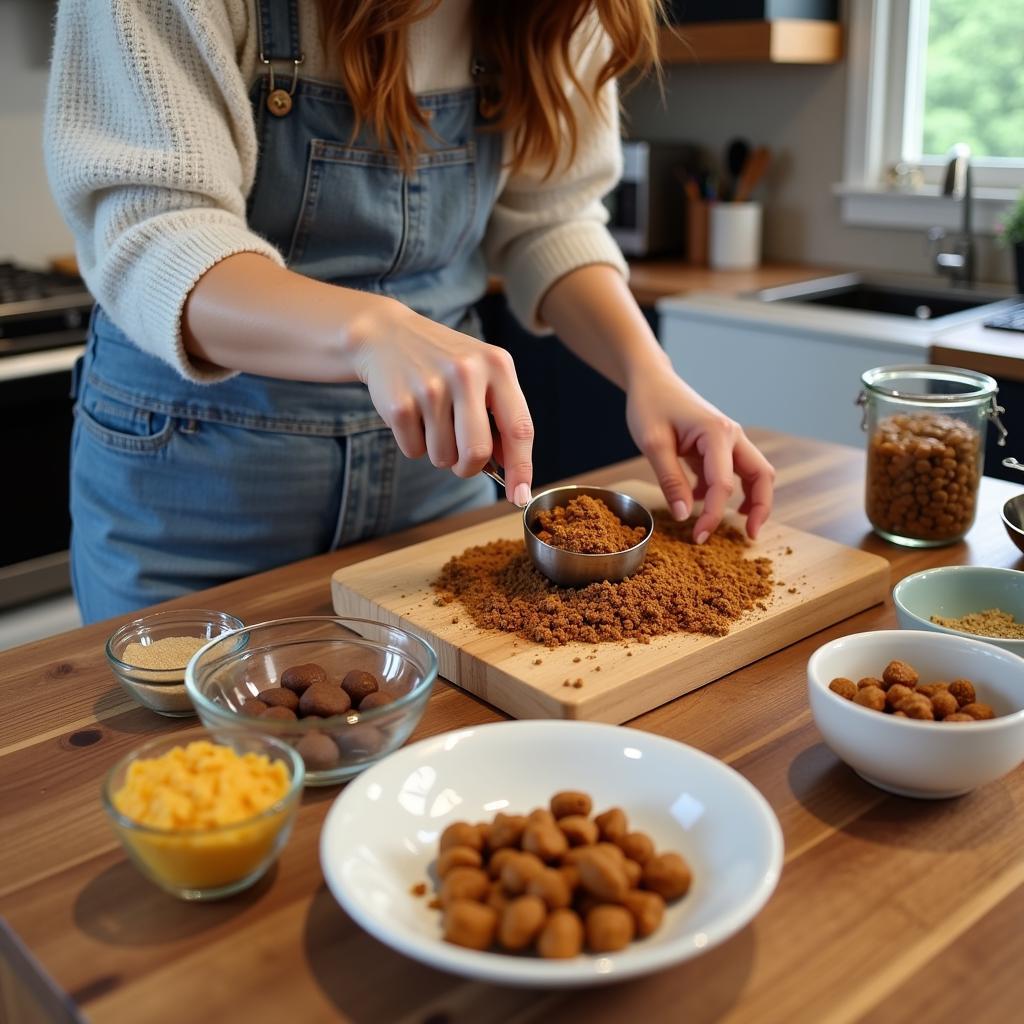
x=671 y=424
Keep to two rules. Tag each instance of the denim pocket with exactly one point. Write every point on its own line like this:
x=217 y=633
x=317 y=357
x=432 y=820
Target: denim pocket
x=123 y=427
x=366 y=219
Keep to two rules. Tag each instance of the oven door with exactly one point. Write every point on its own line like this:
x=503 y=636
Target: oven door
x=35 y=443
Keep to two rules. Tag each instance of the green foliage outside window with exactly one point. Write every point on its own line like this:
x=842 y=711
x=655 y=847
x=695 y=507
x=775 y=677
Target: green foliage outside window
x=974 y=77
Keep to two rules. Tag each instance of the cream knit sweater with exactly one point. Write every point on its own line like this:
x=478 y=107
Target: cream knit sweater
x=151 y=153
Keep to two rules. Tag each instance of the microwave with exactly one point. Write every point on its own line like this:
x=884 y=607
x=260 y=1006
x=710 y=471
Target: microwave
x=645 y=209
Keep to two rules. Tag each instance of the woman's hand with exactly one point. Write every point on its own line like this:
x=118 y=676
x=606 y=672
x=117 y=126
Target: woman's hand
x=434 y=387
x=672 y=424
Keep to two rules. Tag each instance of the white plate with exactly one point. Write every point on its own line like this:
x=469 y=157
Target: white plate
x=380 y=837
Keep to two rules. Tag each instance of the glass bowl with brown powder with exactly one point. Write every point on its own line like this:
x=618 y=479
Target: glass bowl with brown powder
x=581 y=535
x=148 y=655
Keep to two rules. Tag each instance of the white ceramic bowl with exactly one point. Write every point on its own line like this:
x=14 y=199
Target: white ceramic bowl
x=952 y=591
x=380 y=837
x=914 y=758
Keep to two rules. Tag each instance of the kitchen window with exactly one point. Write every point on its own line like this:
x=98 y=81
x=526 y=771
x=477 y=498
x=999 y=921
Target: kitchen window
x=923 y=75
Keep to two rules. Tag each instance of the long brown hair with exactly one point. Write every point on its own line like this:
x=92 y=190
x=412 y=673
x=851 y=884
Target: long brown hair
x=527 y=51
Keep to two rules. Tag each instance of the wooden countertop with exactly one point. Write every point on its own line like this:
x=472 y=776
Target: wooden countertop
x=976 y=347
x=887 y=908
x=651 y=280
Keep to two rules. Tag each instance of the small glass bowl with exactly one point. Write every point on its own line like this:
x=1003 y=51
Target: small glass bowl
x=208 y=864
x=163 y=690
x=224 y=675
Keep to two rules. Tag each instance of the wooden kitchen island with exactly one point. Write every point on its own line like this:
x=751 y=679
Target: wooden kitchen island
x=888 y=908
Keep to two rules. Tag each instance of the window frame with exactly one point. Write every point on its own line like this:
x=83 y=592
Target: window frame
x=878 y=129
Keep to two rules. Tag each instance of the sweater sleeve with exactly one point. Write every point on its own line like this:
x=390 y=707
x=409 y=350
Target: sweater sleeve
x=151 y=151
x=542 y=227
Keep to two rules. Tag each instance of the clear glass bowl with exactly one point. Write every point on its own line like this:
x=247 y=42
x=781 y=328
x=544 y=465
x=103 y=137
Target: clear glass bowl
x=224 y=675
x=163 y=690
x=208 y=864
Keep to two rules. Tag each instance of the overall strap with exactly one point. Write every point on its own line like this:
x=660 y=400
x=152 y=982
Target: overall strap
x=279 y=30
x=279 y=41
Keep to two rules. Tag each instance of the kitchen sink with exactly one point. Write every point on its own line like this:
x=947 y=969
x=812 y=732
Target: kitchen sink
x=913 y=297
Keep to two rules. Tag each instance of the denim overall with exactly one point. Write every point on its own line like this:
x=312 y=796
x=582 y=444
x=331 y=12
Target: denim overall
x=177 y=486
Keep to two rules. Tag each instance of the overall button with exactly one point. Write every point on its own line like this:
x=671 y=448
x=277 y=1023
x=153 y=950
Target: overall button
x=279 y=102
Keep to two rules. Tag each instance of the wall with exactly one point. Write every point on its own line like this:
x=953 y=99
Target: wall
x=799 y=112
x=31 y=229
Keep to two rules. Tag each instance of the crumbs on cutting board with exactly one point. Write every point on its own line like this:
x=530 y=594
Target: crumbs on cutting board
x=538 y=661
x=576 y=660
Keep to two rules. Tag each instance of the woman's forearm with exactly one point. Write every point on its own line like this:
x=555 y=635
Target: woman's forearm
x=246 y=313
x=595 y=315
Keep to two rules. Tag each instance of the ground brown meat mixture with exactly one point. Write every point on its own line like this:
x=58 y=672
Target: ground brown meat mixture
x=586 y=526
x=681 y=588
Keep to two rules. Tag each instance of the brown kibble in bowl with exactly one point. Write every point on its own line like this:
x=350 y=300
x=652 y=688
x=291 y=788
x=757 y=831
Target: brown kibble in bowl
x=318 y=751
x=647 y=908
x=601 y=876
x=896 y=693
x=279 y=697
x=872 y=697
x=943 y=704
x=470 y=924
x=324 y=700
x=609 y=928
x=916 y=706
x=963 y=690
x=545 y=840
x=844 y=687
x=458 y=857
x=978 y=711
x=521 y=922
x=863 y=684
x=377 y=699
x=561 y=937
x=460 y=833
x=253 y=707
x=359 y=684
x=930 y=689
x=506 y=830
x=636 y=846
x=899 y=672
x=668 y=875
x=551 y=887
x=571 y=802
x=580 y=831
x=958 y=716
x=612 y=824
x=279 y=714
x=464 y=883
x=499 y=858
x=517 y=871
x=300 y=678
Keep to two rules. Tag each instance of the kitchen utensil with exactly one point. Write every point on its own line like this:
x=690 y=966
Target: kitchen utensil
x=208 y=863
x=734 y=236
x=824 y=583
x=380 y=838
x=570 y=568
x=753 y=172
x=951 y=591
x=1012 y=463
x=920 y=758
x=1013 y=520
x=737 y=153
x=223 y=676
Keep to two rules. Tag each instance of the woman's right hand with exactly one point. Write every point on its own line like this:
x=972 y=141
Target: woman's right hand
x=434 y=388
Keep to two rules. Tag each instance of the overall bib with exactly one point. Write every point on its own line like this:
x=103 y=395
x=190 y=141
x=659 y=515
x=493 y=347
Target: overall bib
x=177 y=486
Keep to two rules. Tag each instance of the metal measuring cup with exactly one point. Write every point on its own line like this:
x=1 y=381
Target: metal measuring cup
x=570 y=568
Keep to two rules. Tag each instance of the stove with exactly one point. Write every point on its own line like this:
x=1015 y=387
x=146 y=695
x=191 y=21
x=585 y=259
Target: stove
x=41 y=310
x=44 y=318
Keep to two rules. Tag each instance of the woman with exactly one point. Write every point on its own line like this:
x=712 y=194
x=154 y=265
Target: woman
x=286 y=210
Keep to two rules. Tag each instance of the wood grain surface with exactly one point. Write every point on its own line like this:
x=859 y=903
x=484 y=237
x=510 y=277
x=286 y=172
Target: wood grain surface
x=821 y=583
x=888 y=909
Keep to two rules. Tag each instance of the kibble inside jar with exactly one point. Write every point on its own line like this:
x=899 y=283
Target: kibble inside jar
x=922 y=476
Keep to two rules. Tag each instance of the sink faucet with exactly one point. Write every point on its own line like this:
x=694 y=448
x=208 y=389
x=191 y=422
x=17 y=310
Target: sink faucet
x=955 y=257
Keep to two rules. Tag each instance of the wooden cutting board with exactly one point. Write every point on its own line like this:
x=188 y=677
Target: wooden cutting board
x=824 y=582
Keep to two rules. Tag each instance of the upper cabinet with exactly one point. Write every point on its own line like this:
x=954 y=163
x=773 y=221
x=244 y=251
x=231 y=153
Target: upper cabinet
x=779 y=41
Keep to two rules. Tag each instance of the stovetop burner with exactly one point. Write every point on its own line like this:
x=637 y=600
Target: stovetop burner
x=40 y=309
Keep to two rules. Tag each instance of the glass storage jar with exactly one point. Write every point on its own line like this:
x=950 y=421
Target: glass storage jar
x=926 y=447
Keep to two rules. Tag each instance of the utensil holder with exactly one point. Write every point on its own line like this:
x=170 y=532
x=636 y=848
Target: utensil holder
x=735 y=236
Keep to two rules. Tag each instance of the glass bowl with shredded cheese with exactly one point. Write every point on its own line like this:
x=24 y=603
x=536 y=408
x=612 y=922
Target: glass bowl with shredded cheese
x=204 y=813
x=148 y=655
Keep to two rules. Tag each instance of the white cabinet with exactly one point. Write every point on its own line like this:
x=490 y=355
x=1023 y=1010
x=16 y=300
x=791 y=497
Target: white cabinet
x=782 y=365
